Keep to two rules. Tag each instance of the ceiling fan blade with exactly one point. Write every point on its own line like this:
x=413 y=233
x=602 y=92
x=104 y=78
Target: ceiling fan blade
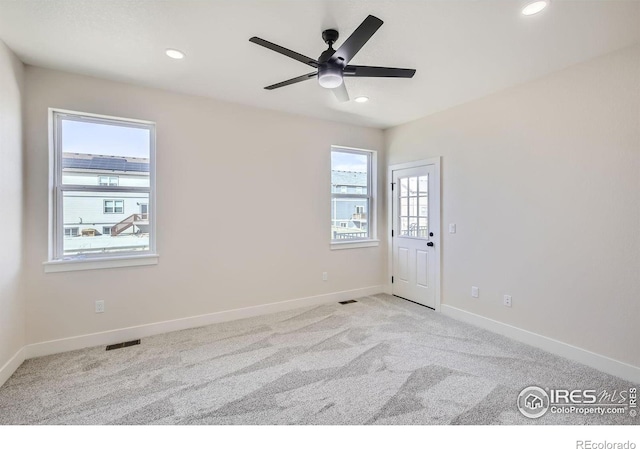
x=382 y=72
x=285 y=51
x=358 y=38
x=341 y=92
x=292 y=81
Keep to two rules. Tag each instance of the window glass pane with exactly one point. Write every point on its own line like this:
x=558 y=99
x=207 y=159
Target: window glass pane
x=349 y=170
x=350 y=179
x=86 y=212
x=349 y=219
x=104 y=154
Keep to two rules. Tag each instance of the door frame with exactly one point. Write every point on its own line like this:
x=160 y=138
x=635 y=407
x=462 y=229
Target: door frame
x=435 y=161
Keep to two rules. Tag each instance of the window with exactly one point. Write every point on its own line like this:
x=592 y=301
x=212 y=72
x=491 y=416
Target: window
x=107 y=180
x=114 y=206
x=71 y=232
x=352 y=199
x=118 y=153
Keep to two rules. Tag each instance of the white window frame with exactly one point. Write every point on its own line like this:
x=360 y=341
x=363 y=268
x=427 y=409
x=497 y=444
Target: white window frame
x=108 y=178
x=371 y=195
x=57 y=261
x=70 y=229
x=114 y=201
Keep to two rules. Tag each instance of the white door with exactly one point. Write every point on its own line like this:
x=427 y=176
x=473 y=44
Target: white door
x=415 y=233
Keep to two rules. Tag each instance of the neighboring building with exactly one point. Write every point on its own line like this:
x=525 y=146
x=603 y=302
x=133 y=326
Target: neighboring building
x=349 y=215
x=93 y=220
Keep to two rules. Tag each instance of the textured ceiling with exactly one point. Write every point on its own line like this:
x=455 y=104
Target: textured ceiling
x=462 y=50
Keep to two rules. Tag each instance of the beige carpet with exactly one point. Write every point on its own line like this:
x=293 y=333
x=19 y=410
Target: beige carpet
x=381 y=360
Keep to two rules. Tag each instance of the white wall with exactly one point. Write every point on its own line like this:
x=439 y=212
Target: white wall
x=12 y=310
x=225 y=173
x=543 y=182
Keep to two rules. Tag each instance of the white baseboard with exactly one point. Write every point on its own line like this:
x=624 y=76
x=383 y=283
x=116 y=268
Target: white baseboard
x=12 y=365
x=146 y=330
x=597 y=361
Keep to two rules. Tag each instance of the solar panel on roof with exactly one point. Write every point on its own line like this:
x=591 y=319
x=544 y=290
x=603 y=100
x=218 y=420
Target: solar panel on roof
x=103 y=163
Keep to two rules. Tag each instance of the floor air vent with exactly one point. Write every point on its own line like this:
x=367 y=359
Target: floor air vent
x=123 y=345
x=347 y=302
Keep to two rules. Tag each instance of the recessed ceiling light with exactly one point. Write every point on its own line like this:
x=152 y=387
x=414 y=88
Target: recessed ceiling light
x=361 y=99
x=175 y=54
x=535 y=7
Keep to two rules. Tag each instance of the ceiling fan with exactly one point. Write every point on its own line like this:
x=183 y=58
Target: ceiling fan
x=333 y=65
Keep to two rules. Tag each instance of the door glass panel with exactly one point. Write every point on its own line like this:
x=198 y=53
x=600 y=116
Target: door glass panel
x=413 y=186
x=413 y=207
x=423 y=229
x=413 y=226
x=424 y=208
x=403 y=187
x=404 y=207
x=423 y=185
x=414 y=210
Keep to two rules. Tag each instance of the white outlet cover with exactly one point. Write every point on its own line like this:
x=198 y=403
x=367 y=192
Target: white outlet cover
x=452 y=228
x=507 y=300
x=475 y=292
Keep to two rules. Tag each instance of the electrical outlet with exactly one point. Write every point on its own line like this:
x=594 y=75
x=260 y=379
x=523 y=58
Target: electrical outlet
x=475 y=292
x=507 y=300
x=325 y=276
x=452 y=228
x=100 y=306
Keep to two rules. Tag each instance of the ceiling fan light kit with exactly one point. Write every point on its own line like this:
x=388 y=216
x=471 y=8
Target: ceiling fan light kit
x=333 y=65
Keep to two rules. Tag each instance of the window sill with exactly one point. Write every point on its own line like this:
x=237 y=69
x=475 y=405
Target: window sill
x=56 y=266
x=353 y=245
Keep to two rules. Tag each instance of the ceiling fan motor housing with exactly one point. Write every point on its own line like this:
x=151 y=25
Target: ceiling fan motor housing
x=330 y=70
x=330 y=74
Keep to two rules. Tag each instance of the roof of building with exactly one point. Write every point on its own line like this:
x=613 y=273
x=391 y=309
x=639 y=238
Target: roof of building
x=108 y=163
x=348 y=178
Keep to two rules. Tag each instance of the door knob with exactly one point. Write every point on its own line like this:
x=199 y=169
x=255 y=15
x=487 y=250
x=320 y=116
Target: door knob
x=429 y=243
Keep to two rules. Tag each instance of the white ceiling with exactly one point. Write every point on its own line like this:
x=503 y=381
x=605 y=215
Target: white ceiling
x=462 y=50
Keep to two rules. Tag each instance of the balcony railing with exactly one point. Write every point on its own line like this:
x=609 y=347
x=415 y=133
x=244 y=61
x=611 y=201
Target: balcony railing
x=360 y=216
x=131 y=220
x=349 y=235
